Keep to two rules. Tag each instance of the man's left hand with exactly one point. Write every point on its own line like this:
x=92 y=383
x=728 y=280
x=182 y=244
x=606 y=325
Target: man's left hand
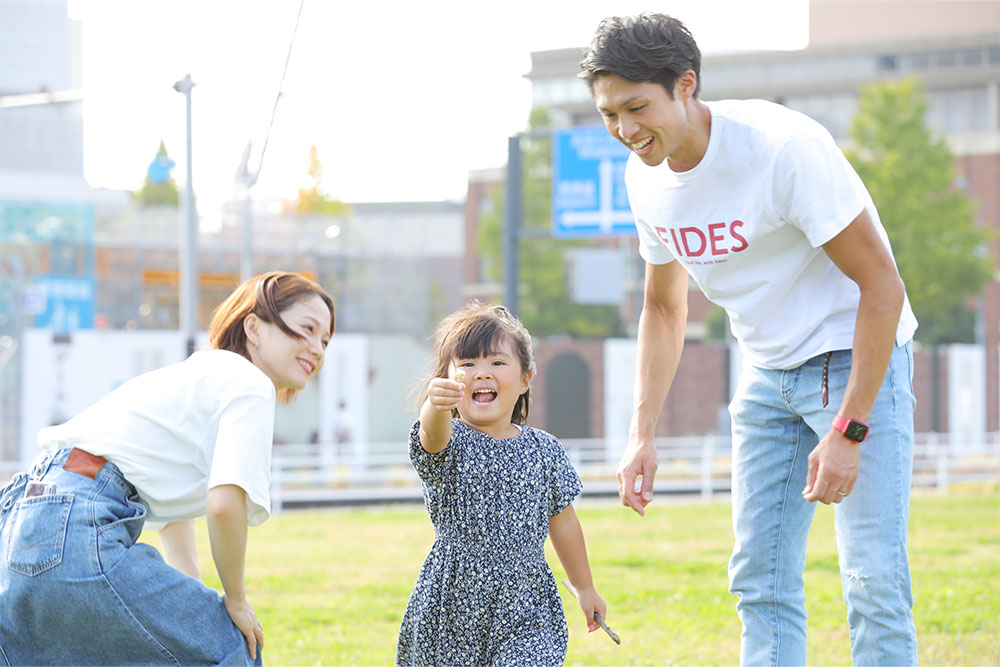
x=833 y=469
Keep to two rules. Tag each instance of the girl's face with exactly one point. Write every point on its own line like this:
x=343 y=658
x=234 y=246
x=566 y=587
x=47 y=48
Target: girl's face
x=492 y=387
x=291 y=362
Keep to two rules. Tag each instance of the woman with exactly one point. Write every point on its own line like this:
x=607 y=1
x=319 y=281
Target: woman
x=189 y=439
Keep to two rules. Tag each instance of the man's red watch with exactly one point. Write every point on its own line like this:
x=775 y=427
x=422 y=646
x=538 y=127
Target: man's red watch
x=851 y=428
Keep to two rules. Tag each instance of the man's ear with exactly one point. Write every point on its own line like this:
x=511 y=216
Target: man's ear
x=686 y=84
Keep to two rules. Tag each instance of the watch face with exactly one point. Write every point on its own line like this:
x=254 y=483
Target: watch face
x=856 y=431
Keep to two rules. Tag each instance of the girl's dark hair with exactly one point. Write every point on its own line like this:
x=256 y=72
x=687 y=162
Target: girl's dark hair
x=478 y=330
x=267 y=296
x=645 y=48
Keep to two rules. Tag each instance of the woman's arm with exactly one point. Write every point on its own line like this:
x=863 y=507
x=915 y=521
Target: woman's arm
x=179 y=547
x=227 y=534
x=567 y=537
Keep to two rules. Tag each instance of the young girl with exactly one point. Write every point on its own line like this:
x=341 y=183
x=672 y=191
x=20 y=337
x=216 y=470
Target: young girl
x=189 y=439
x=494 y=489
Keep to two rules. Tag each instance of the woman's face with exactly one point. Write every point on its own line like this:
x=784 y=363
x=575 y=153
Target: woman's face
x=291 y=362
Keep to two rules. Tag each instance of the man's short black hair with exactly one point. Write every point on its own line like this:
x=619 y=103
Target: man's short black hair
x=649 y=47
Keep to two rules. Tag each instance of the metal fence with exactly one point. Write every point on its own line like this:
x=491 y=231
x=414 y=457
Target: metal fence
x=698 y=466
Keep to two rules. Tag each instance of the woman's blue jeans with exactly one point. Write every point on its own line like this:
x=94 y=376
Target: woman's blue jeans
x=778 y=418
x=76 y=588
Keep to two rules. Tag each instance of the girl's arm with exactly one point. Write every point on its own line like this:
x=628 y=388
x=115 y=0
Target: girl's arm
x=435 y=414
x=179 y=547
x=227 y=534
x=567 y=537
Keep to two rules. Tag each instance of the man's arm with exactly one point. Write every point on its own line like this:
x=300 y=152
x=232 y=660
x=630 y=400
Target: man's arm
x=859 y=252
x=661 y=339
x=179 y=547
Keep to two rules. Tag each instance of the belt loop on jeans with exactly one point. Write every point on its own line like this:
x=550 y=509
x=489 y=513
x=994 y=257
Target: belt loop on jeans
x=43 y=464
x=825 y=381
x=8 y=494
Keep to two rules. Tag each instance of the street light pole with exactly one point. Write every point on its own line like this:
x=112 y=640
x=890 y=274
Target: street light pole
x=189 y=235
x=246 y=179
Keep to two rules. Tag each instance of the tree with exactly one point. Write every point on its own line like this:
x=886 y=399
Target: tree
x=912 y=176
x=312 y=200
x=159 y=187
x=545 y=305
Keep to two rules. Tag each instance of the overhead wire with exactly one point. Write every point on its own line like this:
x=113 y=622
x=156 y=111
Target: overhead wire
x=253 y=176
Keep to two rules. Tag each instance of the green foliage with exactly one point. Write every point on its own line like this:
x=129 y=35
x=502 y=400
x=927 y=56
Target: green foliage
x=545 y=305
x=312 y=200
x=330 y=587
x=158 y=194
x=716 y=324
x=911 y=175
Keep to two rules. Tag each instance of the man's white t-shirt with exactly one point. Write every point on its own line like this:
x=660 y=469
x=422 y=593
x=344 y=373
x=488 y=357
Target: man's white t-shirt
x=747 y=223
x=180 y=430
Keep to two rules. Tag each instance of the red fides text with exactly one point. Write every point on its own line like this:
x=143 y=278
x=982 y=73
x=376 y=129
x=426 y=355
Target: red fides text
x=719 y=238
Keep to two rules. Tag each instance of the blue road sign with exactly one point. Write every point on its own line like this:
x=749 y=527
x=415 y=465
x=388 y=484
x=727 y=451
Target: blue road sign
x=588 y=184
x=69 y=303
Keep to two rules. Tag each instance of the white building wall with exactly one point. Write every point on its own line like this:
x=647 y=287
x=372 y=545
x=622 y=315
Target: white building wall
x=966 y=391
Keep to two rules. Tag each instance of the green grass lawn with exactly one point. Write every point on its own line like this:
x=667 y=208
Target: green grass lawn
x=330 y=586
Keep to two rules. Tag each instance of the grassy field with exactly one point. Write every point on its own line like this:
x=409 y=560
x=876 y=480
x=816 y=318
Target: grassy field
x=330 y=586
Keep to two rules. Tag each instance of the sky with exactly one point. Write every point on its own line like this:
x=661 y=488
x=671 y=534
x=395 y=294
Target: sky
x=400 y=98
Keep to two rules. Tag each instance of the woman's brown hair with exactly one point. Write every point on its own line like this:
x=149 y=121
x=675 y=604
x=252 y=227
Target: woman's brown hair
x=266 y=296
x=478 y=330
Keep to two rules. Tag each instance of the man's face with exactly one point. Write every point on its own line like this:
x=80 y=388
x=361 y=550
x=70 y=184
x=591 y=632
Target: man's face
x=644 y=117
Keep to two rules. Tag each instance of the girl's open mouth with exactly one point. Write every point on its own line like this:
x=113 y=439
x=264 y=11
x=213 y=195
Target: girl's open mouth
x=483 y=396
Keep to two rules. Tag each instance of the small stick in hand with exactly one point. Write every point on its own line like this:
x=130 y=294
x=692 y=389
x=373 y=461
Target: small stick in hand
x=597 y=616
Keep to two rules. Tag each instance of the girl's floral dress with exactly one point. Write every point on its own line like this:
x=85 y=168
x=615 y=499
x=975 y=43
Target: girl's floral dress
x=485 y=595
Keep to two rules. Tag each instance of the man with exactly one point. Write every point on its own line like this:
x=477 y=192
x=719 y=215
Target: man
x=759 y=206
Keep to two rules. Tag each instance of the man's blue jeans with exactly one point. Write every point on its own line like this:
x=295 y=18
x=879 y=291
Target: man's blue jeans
x=778 y=418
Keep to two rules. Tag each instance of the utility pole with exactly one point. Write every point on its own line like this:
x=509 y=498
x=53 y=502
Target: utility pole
x=512 y=223
x=189 y=235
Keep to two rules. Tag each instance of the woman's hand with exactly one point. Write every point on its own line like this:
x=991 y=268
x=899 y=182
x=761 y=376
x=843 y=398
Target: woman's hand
x=244 y=618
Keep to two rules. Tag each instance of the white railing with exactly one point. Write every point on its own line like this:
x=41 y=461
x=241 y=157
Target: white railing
x=696 y=466
x=310 y=475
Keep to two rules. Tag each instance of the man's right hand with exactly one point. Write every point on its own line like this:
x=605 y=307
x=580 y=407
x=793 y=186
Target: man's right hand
x=639 y=460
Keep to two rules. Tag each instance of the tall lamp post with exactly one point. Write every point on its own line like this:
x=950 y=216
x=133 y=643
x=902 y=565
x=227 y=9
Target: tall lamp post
x=189 y=235
x=246 y=179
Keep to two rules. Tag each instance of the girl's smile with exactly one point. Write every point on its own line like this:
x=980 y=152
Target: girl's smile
x=492 y=386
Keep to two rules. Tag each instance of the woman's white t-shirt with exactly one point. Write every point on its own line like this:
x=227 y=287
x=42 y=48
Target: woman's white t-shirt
x=748 y=223
x=180 y=430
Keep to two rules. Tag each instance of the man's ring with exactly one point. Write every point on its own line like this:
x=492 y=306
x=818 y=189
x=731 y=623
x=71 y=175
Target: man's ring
x=841 y=493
